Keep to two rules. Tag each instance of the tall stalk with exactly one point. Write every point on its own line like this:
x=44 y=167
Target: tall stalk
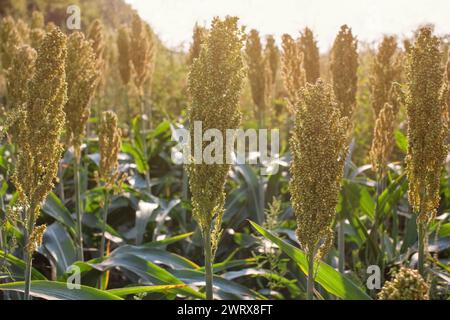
x=208 y=265
x=341 y=245
x=310 y=279
x=144 y=138
x=78 y=207
x=105 y=216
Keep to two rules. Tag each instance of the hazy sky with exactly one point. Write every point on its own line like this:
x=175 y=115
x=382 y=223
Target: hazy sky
x=173 y=20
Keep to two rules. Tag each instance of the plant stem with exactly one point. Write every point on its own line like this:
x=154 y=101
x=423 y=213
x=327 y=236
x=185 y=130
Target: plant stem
x=105 y=216
x=341 y=246
x=144 y=140
x=208 y=265
x=27 y=254
x=61 y=181
x=422 y=230
x=78 y=207
x=310 y=279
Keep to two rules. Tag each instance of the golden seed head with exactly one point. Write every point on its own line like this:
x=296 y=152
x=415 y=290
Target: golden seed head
x=407 y=284
x=109 y=141
x=35 y=239
x=82 y=76
x=198 y=38
x=343 y=66
x=256 y=70
x=318 y=152
x=39 y=147
x=311 y=64
x=9 y=39
x=292 y=69
x=143 y=53
x=37 y=20
x=17 y=77
x=383 y=138
x=272 y=54
x=427 y=124
x=123 y=45
x=385 y=71
x=215 y=82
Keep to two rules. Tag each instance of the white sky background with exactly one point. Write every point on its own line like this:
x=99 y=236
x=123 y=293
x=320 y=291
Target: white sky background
x=173 y=20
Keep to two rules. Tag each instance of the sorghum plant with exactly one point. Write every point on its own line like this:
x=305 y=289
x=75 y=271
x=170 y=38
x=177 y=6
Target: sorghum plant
x=82 y=76
x=318 y=152
x=215 y=83
x=38 y=141
x=198 y=38
x=311 y=64
x=407 y=284
x=109 y=145
x=143 y=58
x=37 y=32
x=427 y=132
x=9 y=39
x=385 y=71
x=18 y=76
x=123 y=45
x=381 y=149
x=343 y=67
x=256 y=74
x=272 y=55
x=292 y=69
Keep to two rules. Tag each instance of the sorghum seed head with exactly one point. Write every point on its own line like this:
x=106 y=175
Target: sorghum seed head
x=39 y=147
x=143 y=53
x=256 y=70
x=427 y=124
x=272 y=56
x=82 y=76
x=215 y=82
x=37 y=20
x=110 y=137
x=35 y=239
x=9 y=39
x=343 y=66
x=123 y=45
x=407 y=284
x=383 y=138
x=18 y=75
x=318 y=152
x=198 y=38
x=385 y=71
x=292 y=69
x=311 y=64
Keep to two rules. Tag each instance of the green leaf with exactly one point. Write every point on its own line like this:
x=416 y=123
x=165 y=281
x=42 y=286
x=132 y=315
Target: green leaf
x=444 y=230
x=401 y=140
x=54 y=207
x=52 y=290
x=17 y=267
x=330 y=279
x=122 y=292
x=137 y=155
x=59 y=247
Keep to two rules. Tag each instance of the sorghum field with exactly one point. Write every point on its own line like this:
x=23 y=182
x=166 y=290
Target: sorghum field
x=116 y=181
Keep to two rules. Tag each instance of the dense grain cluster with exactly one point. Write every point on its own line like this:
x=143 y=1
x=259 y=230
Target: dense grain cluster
x=427 y=126
x=407 y=284
x=198 y=38
x=82 y=76
x=123 y=45
x=40 y=129
x=272 y=54
x=383 y=138
x=9 y=39
x=143 y=53
x=343 y=67
x=385 y=71
x=109 y=145
x=292 y=69
x=317 y=146
x=308 y=46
